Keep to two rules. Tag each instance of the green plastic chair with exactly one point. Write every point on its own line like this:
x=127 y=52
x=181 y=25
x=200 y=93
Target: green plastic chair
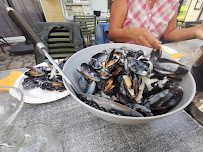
x=87 y=24
x=181 y=17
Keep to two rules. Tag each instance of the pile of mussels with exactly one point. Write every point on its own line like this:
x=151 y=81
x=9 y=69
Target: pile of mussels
x=147 y=84
x=44 y=77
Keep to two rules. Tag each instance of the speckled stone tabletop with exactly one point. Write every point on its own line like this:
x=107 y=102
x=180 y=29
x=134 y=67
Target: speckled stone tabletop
x=80 y=131
x=191 y=49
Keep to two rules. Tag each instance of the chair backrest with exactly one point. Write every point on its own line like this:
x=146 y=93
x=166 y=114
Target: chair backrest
x=62 y=39
x=59 y=43
x=87 y=23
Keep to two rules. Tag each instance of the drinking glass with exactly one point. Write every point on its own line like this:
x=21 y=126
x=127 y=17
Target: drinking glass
x=37 y=137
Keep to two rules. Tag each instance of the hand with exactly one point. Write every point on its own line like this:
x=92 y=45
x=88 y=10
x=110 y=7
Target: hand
x=199 y=32
x=142 y=36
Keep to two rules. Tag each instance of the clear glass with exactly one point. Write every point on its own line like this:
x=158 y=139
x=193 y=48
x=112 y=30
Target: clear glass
x=33 y=138
x=198 y=100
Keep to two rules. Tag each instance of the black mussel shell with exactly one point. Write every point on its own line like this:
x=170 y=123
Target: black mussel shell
x=164 y=101
x=97 y=59
x=166 y=66
x=85 y=70
x=141 y=109
x=155 y=55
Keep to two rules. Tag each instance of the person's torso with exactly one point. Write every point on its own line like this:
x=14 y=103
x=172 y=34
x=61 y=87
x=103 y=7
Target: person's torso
x=156 y=19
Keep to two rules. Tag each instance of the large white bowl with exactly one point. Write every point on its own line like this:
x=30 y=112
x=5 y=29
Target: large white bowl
x=188 y=84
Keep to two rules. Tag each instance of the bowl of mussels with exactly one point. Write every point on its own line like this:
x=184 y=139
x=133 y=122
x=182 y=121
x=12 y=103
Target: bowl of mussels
x=136 y=84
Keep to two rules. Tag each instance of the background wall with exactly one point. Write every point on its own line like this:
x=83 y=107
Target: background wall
x=192 y=14
x=100 y=5
x=52 y=10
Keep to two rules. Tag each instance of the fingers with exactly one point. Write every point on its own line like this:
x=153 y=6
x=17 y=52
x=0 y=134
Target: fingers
x=159 y=42
x=146 y=43
x=149 y=42
x=155 y=43
x=152 y=40
x=199 y=32
x=200 y=36
x=139 y=42
x=142 y=36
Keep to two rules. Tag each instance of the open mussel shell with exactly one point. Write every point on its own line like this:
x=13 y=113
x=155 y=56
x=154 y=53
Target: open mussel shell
x=43 y=76
x=155 y=55
x=97 y=60
x=30 y=83
x=35 y=71
x=85 y=70
x=167 y=66
x=129 y=52
x=138 y=67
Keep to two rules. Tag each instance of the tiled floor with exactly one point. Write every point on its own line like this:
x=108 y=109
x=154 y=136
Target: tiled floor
x=10 y=61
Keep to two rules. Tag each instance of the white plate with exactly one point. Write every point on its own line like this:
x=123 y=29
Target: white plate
x=37 y=95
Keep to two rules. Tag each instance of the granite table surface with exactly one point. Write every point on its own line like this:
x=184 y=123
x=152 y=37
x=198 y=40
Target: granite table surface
x=80 y=131
x=191 y=49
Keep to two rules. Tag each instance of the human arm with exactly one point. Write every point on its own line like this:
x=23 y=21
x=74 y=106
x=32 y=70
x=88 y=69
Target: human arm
x=174 y=34
x=140 y=36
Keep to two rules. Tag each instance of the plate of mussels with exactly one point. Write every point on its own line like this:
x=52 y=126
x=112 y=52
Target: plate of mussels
x=149 y=82
x=42 y=83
